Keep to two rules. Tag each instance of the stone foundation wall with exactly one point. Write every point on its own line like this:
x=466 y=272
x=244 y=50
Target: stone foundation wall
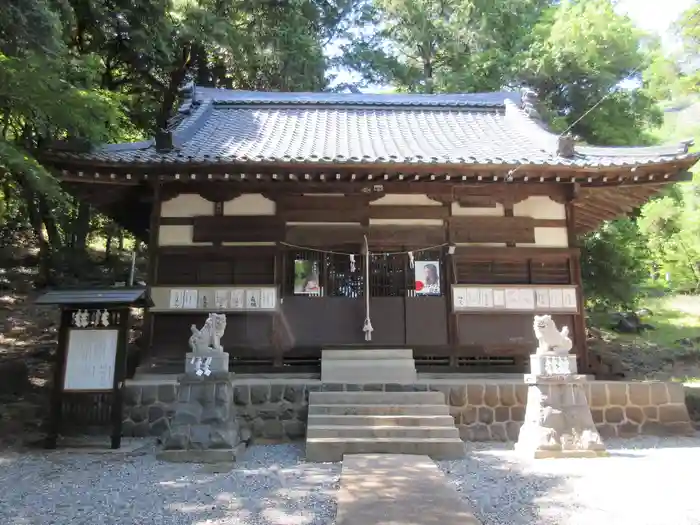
x=483 y=410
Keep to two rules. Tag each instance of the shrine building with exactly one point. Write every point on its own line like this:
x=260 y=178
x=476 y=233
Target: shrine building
x=437 y=223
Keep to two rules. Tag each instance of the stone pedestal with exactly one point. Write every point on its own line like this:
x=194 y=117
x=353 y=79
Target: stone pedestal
x=218 y=363
x=204 y=428
x=558 y=421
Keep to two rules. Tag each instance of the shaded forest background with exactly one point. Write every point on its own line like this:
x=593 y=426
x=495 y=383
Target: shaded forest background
x=109 y=71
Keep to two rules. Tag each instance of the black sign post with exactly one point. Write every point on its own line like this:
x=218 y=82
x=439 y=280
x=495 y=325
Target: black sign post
x=90 y=367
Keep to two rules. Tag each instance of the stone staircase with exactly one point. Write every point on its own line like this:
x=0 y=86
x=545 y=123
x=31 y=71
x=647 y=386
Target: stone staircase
x=377 y=422
x=368 y=366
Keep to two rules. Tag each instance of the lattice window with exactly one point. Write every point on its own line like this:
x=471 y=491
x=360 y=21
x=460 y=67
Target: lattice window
x=341 y=280
x=387 y=275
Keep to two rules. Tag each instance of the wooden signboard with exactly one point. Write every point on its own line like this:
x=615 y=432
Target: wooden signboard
x=90 y=364
x=544 y=299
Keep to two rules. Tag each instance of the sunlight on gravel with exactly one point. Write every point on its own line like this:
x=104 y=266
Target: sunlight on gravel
x=646 y=481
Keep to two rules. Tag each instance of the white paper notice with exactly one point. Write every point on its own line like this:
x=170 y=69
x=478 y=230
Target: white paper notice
x=555 y=298
x=542 y=297
x=90 y=359
x=459 y=297
x=177 y=298
x=221 y=299
x=252 y=299
x=238 y=299
x=513 y=299
x=473 y=297
x=499 y=298
x=569 y=298
x=486 y=299
x=191 y=299
x=527 y=298
x=268 y=298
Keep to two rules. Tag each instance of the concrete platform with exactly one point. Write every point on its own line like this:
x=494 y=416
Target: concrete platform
x=390 y=489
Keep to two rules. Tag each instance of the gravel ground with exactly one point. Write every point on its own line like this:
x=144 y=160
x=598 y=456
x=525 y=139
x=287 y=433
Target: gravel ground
x=271 y=485
x=647 y=481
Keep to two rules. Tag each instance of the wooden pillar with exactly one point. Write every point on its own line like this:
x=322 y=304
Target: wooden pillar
x=278 y=339
x=450 y=279
x=152 y=273
x=575 y=277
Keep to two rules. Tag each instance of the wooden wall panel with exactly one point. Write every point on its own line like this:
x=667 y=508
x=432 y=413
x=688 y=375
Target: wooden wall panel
x=253 y=266
x=172 y=331
x=252 y=228
x=491 y=229
x=503 y=331
x=408 y=236
x=324 y=236
x=408 y=212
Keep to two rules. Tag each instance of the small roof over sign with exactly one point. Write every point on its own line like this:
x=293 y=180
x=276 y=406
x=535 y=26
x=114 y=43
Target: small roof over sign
x=98 y=296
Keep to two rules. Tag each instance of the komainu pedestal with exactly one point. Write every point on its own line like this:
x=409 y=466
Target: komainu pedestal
x=558 y=421
x=205 y=427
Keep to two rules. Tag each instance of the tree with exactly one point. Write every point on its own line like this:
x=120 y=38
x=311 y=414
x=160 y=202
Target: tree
x=672 y=225
x=614 y=262
x=581 y=51
x=431 y=46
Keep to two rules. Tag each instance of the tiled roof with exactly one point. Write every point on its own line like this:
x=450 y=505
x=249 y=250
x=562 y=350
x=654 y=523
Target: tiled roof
x=225 y=126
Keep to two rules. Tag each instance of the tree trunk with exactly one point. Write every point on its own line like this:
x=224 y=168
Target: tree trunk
x=121 y=239
x=81 y=228
x=30 y=201
x=108 y=246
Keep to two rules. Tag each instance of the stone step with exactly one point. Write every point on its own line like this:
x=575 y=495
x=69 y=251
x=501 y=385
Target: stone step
x=398 y=377
x=372 y=410
x=367 y=354
x=368 y=363
x=333 y=449
x=376 y=398
x=344 y=431
x=381 y=421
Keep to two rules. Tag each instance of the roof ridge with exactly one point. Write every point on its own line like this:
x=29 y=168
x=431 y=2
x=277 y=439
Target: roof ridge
x=232 y=97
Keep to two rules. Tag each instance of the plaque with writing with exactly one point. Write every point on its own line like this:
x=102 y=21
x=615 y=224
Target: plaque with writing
x=569 y=298
x=542 y=298
x=460 y=297
x=190 y=300
x=238 y=299
x=556 y=299
x=252 y=299
x=221 y=298
x=90 y=360
x=486 y=298
x=268 y=298
x=177 y=298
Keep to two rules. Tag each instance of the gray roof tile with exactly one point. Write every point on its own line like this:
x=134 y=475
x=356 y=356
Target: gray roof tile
x=224 y=126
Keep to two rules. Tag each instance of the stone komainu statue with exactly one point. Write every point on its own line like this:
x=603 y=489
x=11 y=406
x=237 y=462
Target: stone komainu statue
x=209 y=337
x=549 y=339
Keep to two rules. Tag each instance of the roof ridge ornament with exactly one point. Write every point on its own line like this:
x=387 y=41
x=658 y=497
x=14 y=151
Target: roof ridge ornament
x=685 y=145
x=566 y=146
x=164 y=141
x=530 y=102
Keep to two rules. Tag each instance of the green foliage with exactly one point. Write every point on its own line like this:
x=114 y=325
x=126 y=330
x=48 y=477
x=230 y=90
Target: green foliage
x=672 y=226
x=614 y=263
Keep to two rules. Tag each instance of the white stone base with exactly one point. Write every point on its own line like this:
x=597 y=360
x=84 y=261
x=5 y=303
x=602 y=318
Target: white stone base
x=218 y=365
x=558 y=421
x=552 y=364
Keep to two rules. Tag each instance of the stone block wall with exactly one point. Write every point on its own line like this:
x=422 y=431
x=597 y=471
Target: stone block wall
x=483 y=410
